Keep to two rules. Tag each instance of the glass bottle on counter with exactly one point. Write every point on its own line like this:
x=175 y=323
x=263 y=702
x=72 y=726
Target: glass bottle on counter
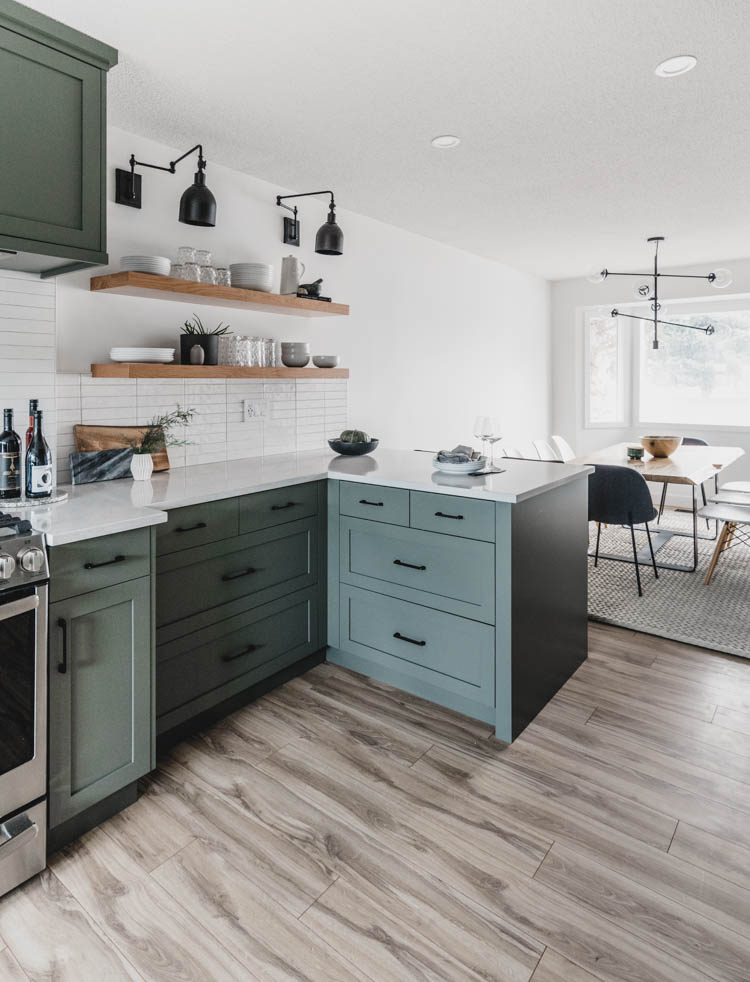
x=38 y=463
x=33 y=406
x=10 y=459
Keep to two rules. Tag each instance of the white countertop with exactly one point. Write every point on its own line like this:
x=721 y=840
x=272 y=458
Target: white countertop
x=92 y=510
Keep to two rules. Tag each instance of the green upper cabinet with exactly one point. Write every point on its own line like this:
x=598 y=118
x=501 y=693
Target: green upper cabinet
x=53 y=117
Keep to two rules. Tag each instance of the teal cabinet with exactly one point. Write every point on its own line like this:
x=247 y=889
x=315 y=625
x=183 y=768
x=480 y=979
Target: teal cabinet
x=53 y=116
x=99 y=695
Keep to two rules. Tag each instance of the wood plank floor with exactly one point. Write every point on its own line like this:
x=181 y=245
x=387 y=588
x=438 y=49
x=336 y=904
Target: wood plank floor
x=338 y=829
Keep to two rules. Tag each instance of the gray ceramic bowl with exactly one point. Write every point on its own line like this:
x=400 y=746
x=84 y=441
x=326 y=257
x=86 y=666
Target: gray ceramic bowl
x=325 y=361
x=352 y=449
x=295 y=354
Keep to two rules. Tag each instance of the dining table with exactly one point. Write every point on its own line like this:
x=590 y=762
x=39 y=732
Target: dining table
x=691 y=466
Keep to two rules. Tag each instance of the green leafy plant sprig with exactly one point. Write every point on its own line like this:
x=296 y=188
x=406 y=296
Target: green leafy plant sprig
x=157 y=435
x=195 y=326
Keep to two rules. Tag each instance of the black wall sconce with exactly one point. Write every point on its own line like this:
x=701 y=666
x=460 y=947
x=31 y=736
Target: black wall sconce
x=197 y=204
x=329 y=240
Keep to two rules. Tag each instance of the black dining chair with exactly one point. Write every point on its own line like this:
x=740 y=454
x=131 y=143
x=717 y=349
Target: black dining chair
x=687 y=441
x=620 y=496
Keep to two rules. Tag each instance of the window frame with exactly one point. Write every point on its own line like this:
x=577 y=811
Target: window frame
x=630 y=374
x=624 y=371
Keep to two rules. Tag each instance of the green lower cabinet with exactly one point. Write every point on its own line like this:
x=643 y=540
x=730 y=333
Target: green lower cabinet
x=99 y=695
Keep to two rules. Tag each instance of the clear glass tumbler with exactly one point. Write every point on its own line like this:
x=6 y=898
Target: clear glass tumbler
x=256 y=352
x=186 y=254
x=223 y=277
x=208 y=275
x=226 y=343
x=269 y=353
x=178 y=271
x=203 y=257
x=192 y=271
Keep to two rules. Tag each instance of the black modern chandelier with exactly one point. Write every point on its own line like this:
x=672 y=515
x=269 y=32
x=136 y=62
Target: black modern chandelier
x=648 y=289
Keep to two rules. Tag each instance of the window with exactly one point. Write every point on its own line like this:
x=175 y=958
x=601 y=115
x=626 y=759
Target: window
x=691 y=379
x=696 y=379
x=605 y=370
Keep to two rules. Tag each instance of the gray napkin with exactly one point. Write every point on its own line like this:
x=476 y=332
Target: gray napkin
x=458 y=455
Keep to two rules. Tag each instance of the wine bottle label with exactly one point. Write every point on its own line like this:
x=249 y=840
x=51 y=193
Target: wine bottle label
x=41 y=478
x=10 y=471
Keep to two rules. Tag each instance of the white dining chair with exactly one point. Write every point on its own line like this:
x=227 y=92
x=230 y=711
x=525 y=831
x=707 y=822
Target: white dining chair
x=563 y=448
x=545 y=451
x=528 y=451
x=508 y=451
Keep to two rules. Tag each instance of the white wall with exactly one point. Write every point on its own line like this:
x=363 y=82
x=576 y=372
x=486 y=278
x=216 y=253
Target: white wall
x=435 y=335
x=569 y=297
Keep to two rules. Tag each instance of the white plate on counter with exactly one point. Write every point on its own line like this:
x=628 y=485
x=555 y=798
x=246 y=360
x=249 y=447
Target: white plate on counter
x=157 y=355
x=470 y=467
x=159 y=265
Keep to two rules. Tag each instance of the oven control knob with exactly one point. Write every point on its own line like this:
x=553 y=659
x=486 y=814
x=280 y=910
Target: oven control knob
x=31 y=560
x=7 y=566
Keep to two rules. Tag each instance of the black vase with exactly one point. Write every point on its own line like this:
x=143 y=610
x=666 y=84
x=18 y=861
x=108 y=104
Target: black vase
x=209 y=343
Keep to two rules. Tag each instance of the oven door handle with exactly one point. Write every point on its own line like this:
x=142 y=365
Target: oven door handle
x=15 y=833
x=16 y=607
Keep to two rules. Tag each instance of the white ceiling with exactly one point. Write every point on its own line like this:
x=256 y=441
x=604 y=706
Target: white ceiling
x=572 y=152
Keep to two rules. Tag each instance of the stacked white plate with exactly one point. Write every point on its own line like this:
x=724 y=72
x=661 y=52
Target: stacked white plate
x=158 y=265
x=252 y=276
x=466 y=468
x=161 y=355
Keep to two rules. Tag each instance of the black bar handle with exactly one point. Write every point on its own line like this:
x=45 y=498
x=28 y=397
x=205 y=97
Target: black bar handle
x=398 y=562
x=441 y=514
x=63 y=625
x=245 y=651
x=403 y=637
x=289 y=504
x=109 y=562
x=375 y=504
x=236 y=576
x=191 y=528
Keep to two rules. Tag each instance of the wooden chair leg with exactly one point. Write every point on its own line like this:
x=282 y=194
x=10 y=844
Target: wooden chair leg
x=719 y=548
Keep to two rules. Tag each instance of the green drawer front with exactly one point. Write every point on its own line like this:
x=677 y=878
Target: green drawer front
x=452 y=515
x=267 y=508
x=375 y=503
x=438 y=649
x=94 y=563
x=457 y=575
x=247 y=645
x=283 y=561
x=196 y=525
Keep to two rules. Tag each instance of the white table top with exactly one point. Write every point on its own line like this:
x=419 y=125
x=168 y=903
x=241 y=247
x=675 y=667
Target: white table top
x=116 y=506
x=687 y=465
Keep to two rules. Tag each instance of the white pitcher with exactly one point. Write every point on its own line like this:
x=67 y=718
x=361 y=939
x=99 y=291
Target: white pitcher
x=292 y=271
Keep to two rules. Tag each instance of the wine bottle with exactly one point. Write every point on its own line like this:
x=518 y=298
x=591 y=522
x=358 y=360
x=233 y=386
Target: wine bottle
x=38 y=463
x=10 y=459
x=33 y=406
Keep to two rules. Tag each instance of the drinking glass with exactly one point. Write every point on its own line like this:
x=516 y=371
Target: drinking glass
x=186 y=254
x=269 y=352
x=256 y=352
x=223 y=277
x=208 y=275
x=177 y=270
x=226 y=342
x=192 y=272
x=203 y=257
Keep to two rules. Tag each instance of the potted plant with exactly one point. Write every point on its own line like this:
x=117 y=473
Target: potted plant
x=194 y=333
x=157 y=436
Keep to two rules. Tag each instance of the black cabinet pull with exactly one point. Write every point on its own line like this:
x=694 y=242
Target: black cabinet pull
x=397 y=562
x=109 y=562
x=191 y=528
x=245 y=651
x=375 y=504
x=441 y=514
x=63 y=665
x=289 y=504
x=236 y=576
x=403 y=637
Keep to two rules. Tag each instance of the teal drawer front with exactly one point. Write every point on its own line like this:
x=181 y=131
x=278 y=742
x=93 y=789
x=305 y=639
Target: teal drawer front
x=453 y=574
x=436 y=650
x=267 y=508
x=273 y=562
x=246 y=647
x=453 y=515
x=196 y=525
x=95 y=563
x=374 y=503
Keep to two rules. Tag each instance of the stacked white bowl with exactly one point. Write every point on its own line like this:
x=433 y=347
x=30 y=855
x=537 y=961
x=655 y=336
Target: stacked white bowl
x=159 y=265
x=252 y=276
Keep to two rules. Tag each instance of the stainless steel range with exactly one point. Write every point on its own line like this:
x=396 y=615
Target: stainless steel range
x=23 y=702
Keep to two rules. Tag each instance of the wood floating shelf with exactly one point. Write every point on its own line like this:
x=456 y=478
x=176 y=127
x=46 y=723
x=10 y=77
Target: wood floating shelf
x=151 y=370
x=170 y=288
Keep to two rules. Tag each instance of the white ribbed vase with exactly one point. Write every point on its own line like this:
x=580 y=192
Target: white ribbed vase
x=141 y=466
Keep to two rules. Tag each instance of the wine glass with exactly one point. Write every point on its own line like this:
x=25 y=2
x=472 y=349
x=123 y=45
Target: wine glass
x=480 y=425
x=492 y=435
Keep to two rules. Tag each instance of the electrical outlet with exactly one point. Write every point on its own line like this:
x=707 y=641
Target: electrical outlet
x=252 y=410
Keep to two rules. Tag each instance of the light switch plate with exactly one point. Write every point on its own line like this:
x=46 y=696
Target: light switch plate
x=252 y=410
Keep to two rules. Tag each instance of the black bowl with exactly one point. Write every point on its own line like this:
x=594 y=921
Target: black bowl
x=352 y=449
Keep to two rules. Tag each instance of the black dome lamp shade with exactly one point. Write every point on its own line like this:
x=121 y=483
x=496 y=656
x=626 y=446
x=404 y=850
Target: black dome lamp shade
x=197 y=204
x=329 y=240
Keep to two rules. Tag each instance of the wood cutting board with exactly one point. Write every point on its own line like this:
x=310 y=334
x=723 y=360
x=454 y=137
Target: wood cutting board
x=116 y=438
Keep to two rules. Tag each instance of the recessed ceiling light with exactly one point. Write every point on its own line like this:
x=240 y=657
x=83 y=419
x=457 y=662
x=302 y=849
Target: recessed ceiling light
x=676 y=66
x=446 y=142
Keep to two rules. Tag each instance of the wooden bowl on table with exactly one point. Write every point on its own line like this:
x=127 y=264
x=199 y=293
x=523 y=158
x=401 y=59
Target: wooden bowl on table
x=660 y=446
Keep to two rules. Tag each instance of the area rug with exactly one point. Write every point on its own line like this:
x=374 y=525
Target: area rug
x=677 y=605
